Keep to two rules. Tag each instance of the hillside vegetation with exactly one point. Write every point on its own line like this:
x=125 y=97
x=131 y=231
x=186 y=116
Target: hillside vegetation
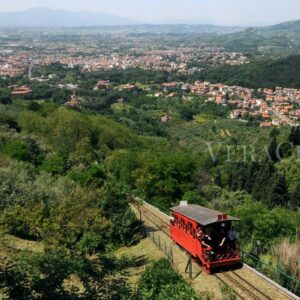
x=264 y=73
x=276 y=40
x=74 y=171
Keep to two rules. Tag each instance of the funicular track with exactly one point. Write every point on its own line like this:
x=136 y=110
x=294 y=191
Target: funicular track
x=243 y=288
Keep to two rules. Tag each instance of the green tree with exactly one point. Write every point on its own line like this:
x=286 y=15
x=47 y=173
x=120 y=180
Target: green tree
x=166 y=178
x=274 y=133
x=5 y=96
x=125 y=227
x=278 y=194
x=26 y=150
x=56 y=164
x=294 y=136
x=45 y=276
x=218 y=178
x=160 y=281
x=34 y=106
x=91 y=243
x=273 y=150
x=295 y=197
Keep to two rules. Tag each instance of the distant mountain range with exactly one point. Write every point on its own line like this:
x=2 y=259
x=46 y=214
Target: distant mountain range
x=275 y=40
x=46 y=17
x=286 y=26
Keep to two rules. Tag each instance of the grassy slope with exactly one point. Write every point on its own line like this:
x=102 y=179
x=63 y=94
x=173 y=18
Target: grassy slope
x=142 y=255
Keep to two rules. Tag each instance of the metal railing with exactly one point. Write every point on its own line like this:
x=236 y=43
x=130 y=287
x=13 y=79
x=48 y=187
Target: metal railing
x=279 y=276
x=162 y=245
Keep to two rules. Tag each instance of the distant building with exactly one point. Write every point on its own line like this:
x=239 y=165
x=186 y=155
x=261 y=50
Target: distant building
x=219 y=99
x=159 y=94
x=126 y=87
x=265 y=124
x=102 y=84
x=168 y=87
x=236 y=114
x=165 y=118
x=73 y=102
x=21 y=92
x=186 y=88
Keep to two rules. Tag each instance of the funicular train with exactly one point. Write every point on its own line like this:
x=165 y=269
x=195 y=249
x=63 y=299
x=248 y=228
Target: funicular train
x=207 y=235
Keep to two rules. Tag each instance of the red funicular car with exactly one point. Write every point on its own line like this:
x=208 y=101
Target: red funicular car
x=207 y=235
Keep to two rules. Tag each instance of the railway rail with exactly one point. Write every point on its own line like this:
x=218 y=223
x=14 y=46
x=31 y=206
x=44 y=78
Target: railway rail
x=243 y=288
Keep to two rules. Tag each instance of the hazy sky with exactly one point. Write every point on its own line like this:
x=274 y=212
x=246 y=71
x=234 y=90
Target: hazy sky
x=246 y=12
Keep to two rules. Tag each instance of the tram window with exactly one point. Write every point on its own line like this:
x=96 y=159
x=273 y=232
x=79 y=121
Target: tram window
x=194 y=233
x=181 y=223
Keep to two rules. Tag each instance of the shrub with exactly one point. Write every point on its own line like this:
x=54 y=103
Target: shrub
x=91 y=243
x=160 y=281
